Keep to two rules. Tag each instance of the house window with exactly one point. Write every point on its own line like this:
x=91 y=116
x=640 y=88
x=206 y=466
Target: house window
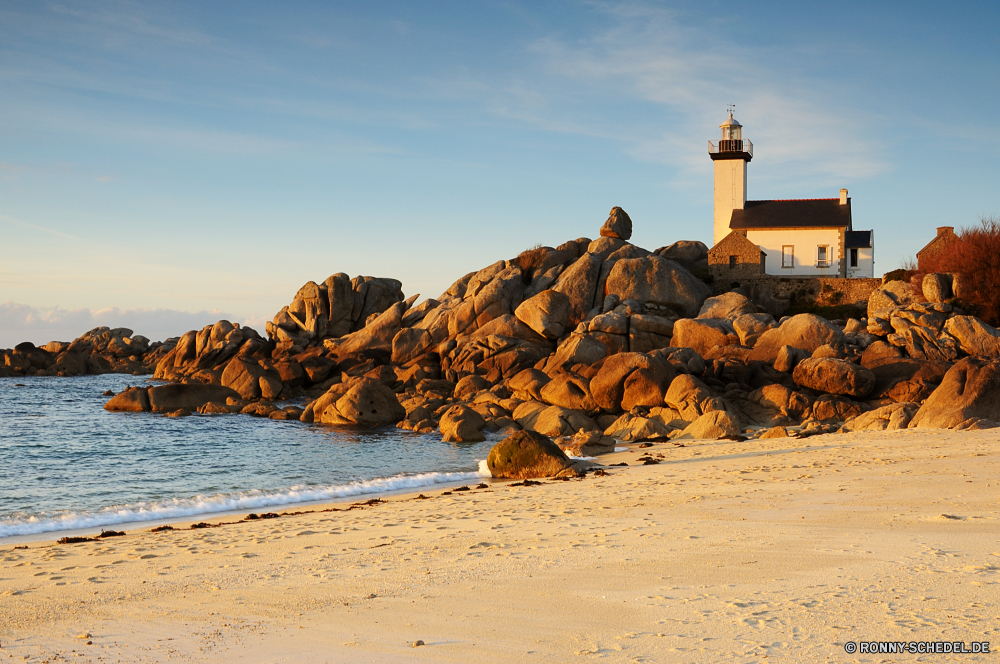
x=732 y=261
x=787 y=256
x=823 y=256
x=854 y=257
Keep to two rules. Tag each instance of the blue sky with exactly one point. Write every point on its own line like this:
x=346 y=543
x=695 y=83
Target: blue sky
x=163 y=166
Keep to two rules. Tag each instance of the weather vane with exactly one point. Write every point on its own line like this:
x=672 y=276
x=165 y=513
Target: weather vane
x=732 y=108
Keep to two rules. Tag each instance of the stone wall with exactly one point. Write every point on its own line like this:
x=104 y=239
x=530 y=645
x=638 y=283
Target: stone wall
x=820 y=291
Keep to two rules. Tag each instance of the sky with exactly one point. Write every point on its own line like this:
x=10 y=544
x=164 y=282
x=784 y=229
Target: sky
x=164 y=165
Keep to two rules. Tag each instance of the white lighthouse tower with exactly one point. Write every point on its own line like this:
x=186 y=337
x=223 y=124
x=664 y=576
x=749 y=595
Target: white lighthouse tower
x=731 y=155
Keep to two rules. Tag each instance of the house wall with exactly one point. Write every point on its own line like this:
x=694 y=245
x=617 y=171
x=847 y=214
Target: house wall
x=730 y=193
x=866 y=264
x=804 y=241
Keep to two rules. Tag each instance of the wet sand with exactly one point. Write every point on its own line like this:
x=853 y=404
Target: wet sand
x=757 y=551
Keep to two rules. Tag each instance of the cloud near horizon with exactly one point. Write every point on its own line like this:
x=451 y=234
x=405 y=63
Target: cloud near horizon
x=39 y=325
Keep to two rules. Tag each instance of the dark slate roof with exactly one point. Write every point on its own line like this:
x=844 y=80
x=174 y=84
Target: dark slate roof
x=804 y=213
x=857 y=239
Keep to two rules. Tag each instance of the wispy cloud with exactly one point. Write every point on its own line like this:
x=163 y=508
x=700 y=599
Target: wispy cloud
x=22 y=322
x=24 y=224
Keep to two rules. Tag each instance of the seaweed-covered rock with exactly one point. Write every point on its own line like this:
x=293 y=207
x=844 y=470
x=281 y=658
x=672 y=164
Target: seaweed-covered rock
x=526 y=455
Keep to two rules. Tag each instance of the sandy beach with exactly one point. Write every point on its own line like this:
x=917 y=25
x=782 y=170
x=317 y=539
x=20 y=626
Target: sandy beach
x=778 y=549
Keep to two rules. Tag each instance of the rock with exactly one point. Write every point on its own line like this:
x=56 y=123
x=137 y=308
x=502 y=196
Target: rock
x=688 y=395
x=712 y=426
x=547 y=313
x=134 y=400
x=657 y=280
x=805 y=332
x=470 y=386
x=891 y=417
x=186 y=396
x=527 y=455
x=834 y=377
x=462 y=424
x=558 y=421
x=828 y=351
x=366 y=402
x=784 y=400
x=569 y=390
x=632 y=428
x=658 y=326
x=251 y=380
x=830 y=407
x=258 y=409
x=974 y=336
x=750 y=326
x=892 y=294
x=690 y=254
x=614 y=386
x=936 y=287
x=575 y=349
x=970 y=389
x=877 y=352
x=377 y=335
x=729 y=306
x=618 y=225
x=527 y=384
x=774 y=432
x=905 y=380
x=586 y=444
x=578 y=282
x=701 y=335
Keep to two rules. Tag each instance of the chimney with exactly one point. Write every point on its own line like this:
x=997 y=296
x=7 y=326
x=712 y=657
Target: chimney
x=843 y=197
x=945 y=230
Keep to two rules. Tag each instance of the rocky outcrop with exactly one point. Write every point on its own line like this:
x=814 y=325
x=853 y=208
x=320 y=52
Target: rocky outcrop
x=528 y=455
x=657 y=280
x=805 y=332
x=834 y=376
x=970 y=389
x=169 y=398
x=618 y=225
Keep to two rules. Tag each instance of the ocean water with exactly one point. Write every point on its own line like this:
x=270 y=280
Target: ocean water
x=66 y=463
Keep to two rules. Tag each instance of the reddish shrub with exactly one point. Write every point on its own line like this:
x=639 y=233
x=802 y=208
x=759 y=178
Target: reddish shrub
x=977 y=259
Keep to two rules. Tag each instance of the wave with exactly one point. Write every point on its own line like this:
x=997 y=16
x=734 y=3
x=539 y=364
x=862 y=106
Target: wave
x=232 y=502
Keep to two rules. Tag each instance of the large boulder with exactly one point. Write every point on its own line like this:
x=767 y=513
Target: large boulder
x=633 y=429
x=618 y=225
x=575 y=349
x=546 y=313
x=569 y=390
x=936 y=287
x=889 y=296
x=805 y=332
x=783 y=399
x=647 y=332
x=552 y=420
x=974 y=336
x=728 y=305
x=526 y=455
x=578 y=282
x=834 y=376
x=891 y=417
x=251 y=380
x=527 y=385
x=970 y=389
x=712 y=426
x=133 y=400
x=367 y=402
x=689 y=396
x=657 y=280
x=187 y=396
x=627 y=380
x=750 y=327
x=702 y=335
x=462 y=424
x=689 y=253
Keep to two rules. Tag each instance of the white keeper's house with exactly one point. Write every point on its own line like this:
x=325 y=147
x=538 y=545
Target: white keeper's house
x=793 y=238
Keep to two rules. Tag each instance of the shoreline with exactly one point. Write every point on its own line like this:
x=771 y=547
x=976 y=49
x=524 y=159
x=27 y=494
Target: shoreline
x=723 y=551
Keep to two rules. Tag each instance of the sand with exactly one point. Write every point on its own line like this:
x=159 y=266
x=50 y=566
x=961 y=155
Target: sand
x=759 y=551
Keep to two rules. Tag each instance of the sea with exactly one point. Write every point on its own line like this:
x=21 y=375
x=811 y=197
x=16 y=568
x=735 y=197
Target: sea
x=66 y=464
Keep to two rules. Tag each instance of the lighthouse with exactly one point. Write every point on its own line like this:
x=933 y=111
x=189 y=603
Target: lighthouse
x=731 y=155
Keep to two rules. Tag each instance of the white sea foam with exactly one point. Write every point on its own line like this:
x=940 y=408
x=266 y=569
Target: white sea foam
x=244 y=500
x=621 y=449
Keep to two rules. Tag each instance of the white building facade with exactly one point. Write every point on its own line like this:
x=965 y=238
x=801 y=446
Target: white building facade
x=800 y=237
